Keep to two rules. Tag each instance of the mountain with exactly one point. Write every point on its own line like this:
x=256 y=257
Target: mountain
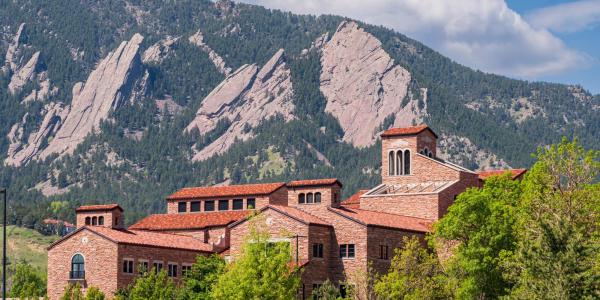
x=127 y=101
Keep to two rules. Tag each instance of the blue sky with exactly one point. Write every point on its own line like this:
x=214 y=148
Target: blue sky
x=557 y=41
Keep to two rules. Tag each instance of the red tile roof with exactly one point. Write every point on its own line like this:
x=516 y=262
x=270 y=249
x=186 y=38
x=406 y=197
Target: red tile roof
x=144 y=238
x=354 y=200
x=56 y=222
x=189 y=220
x=412 y=130
x=226 y=191
x=381 y=219
x=313 y=182
x=98 y=207
x=516 y=173
x=298 y=214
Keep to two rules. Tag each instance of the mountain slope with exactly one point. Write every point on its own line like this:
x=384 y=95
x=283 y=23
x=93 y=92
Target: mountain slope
x=222 y=92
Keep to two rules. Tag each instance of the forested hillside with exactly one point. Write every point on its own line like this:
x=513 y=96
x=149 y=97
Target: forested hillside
x=118 y=101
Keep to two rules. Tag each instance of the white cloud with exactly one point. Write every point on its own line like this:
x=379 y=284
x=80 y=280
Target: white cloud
x=567 y=17
x=482 y=34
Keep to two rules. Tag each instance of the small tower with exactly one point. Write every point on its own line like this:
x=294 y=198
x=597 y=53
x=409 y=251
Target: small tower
x=107 y=215
x=400 y=145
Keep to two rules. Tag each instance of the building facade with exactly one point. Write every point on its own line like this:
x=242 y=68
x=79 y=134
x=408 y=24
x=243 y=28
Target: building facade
x=329 y=238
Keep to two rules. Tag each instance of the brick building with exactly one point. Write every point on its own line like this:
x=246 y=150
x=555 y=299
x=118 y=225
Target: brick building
x=329 y=238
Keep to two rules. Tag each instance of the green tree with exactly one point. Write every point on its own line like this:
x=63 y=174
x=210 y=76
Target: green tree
x=558 y=253
x=72 y=292
x=415 y=273
x=94 y=293
x=199 y=281
x=27 y=283
x=153 y=285
x=327 y=291
x=482 y=221
x=262 y=271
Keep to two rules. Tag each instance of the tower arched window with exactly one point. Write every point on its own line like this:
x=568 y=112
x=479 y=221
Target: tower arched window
x=100 y=220
x=301 y=198
x=391 y=165
x=309 y=198
x=77 y=267
x=425 y=151
x=399 y=162
x=88 y=221
x=406 y=162
x=317 y=197
x=94 y=221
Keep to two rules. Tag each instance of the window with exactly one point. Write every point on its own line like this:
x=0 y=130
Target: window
x=301 y=198
x=77 y=267
x=391 y=165
x=399 y=162
x=195 y=206
x=251 y=203
x=407 y=162
x=209 y=205
x=181 y=207
x=425 y=151
x=238 y=204
x=309 y=198
x=223 y=204
x=383 y=252
x=347 y=250
x=335 y=197
x=143 y=267
x=315 y=290
x=88 y=221
x=346 y=289
x=317 y=197
x=157 y=266
x=185 y=269
x=128 y=266
x=116 y=221
x=101 y=220
x=172 y=270
x=317 y=250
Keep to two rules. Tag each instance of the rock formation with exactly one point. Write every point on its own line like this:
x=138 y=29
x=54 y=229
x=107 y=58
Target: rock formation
x=198 y=40
x=245 y=98
x=461 y=150
x=107 y=87
x=11 y=61
x=157 y=52
x=363 y=85
x=23 y=74
x=20 y=152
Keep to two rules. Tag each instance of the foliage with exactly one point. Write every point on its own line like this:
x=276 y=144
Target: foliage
x=558 y=253
x=482 y=221
x=27 y=283
x=94 y=293
x=199 y=281
x=327 y=291
x=153 y=285
x=72 y=292
x=261 y=271
x=415 y=273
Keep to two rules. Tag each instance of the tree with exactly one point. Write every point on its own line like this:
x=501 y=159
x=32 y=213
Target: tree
x=558 y=252
x=482 y=221
x=27 y=283
x=199 y=281
x=261 y=271
x=327 y=291
x=415 y=273
x=153 y=285
x=93 y=293
x=72 y=292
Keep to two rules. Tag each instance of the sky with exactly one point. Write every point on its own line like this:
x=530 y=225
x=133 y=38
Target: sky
x=556 y=41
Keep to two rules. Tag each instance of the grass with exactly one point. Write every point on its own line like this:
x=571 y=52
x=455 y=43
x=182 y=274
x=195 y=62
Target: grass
x=28 y=245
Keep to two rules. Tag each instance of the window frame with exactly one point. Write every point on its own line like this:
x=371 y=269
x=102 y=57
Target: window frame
x=206 y=205
x=239 y=201
x=185 y=268
x=311 y=197
x=248 y=200
x=226 y=201
x=77 y=270
x=179 y=207
x=172 y=270
x=156 y=264
x=101 y=220
x=407 y=163
x=346 y=250
x=317 y=197
x=391 y=164
x=128 y=266
x=384 y=252
x=301 y=198
x=143 y=266
x=317 y=250
x=195 y=206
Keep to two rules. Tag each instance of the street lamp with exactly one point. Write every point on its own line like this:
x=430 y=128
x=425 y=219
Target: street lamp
x=3 y=191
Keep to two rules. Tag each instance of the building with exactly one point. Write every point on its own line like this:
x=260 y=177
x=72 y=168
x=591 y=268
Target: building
x=329 y=238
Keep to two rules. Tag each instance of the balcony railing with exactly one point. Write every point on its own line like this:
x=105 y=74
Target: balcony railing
x=77 y=275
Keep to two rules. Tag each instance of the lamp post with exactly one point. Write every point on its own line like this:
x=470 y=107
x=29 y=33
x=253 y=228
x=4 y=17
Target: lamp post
x=3 y=191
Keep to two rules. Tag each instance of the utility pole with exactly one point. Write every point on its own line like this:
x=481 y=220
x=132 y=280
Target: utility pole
x=3 y=191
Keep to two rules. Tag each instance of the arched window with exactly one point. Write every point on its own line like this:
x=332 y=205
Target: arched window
x=101 y=220
x=301 y=198
x=399 y=162
x=309 y=198
x=88 y=221
x=391 y=165
x=407 y=162
x=94 y=221
x=77 y=267
x=425 y=151
x=317 y=197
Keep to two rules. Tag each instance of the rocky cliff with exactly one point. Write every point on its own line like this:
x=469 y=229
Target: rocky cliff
x=245 y=98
